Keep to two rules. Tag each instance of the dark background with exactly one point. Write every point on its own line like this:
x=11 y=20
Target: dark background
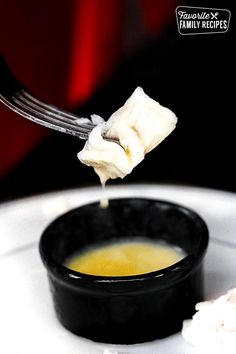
x=191 y=75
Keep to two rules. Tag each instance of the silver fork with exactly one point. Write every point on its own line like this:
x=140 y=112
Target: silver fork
x=18 y=99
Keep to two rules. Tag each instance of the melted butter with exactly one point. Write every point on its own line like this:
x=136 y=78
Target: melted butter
x=128 y=154
x=104 y=202
x=125 y=258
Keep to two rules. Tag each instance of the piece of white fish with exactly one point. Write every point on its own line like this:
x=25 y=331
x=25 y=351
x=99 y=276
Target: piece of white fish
x=213 y=328
x=139 y=126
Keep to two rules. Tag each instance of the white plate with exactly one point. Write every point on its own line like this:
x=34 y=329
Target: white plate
x=27 y=320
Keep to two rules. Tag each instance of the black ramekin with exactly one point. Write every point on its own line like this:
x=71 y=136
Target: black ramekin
x=127 y=309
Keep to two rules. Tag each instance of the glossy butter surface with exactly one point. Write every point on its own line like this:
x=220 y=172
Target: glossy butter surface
x=125 y=258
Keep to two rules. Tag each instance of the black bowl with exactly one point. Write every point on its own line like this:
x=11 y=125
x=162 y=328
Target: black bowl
x=127 y=309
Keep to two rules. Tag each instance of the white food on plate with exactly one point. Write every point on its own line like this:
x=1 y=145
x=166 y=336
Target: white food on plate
x=213 y=327
x=139 y=126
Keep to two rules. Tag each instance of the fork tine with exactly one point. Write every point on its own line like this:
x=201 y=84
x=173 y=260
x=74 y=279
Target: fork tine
x=54 y=114
x=51 y=122
x=16 y=97
x=10 y=86
x=50 y=108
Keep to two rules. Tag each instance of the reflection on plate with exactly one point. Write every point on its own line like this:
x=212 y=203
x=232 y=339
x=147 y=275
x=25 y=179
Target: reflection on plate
x=27 y=321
